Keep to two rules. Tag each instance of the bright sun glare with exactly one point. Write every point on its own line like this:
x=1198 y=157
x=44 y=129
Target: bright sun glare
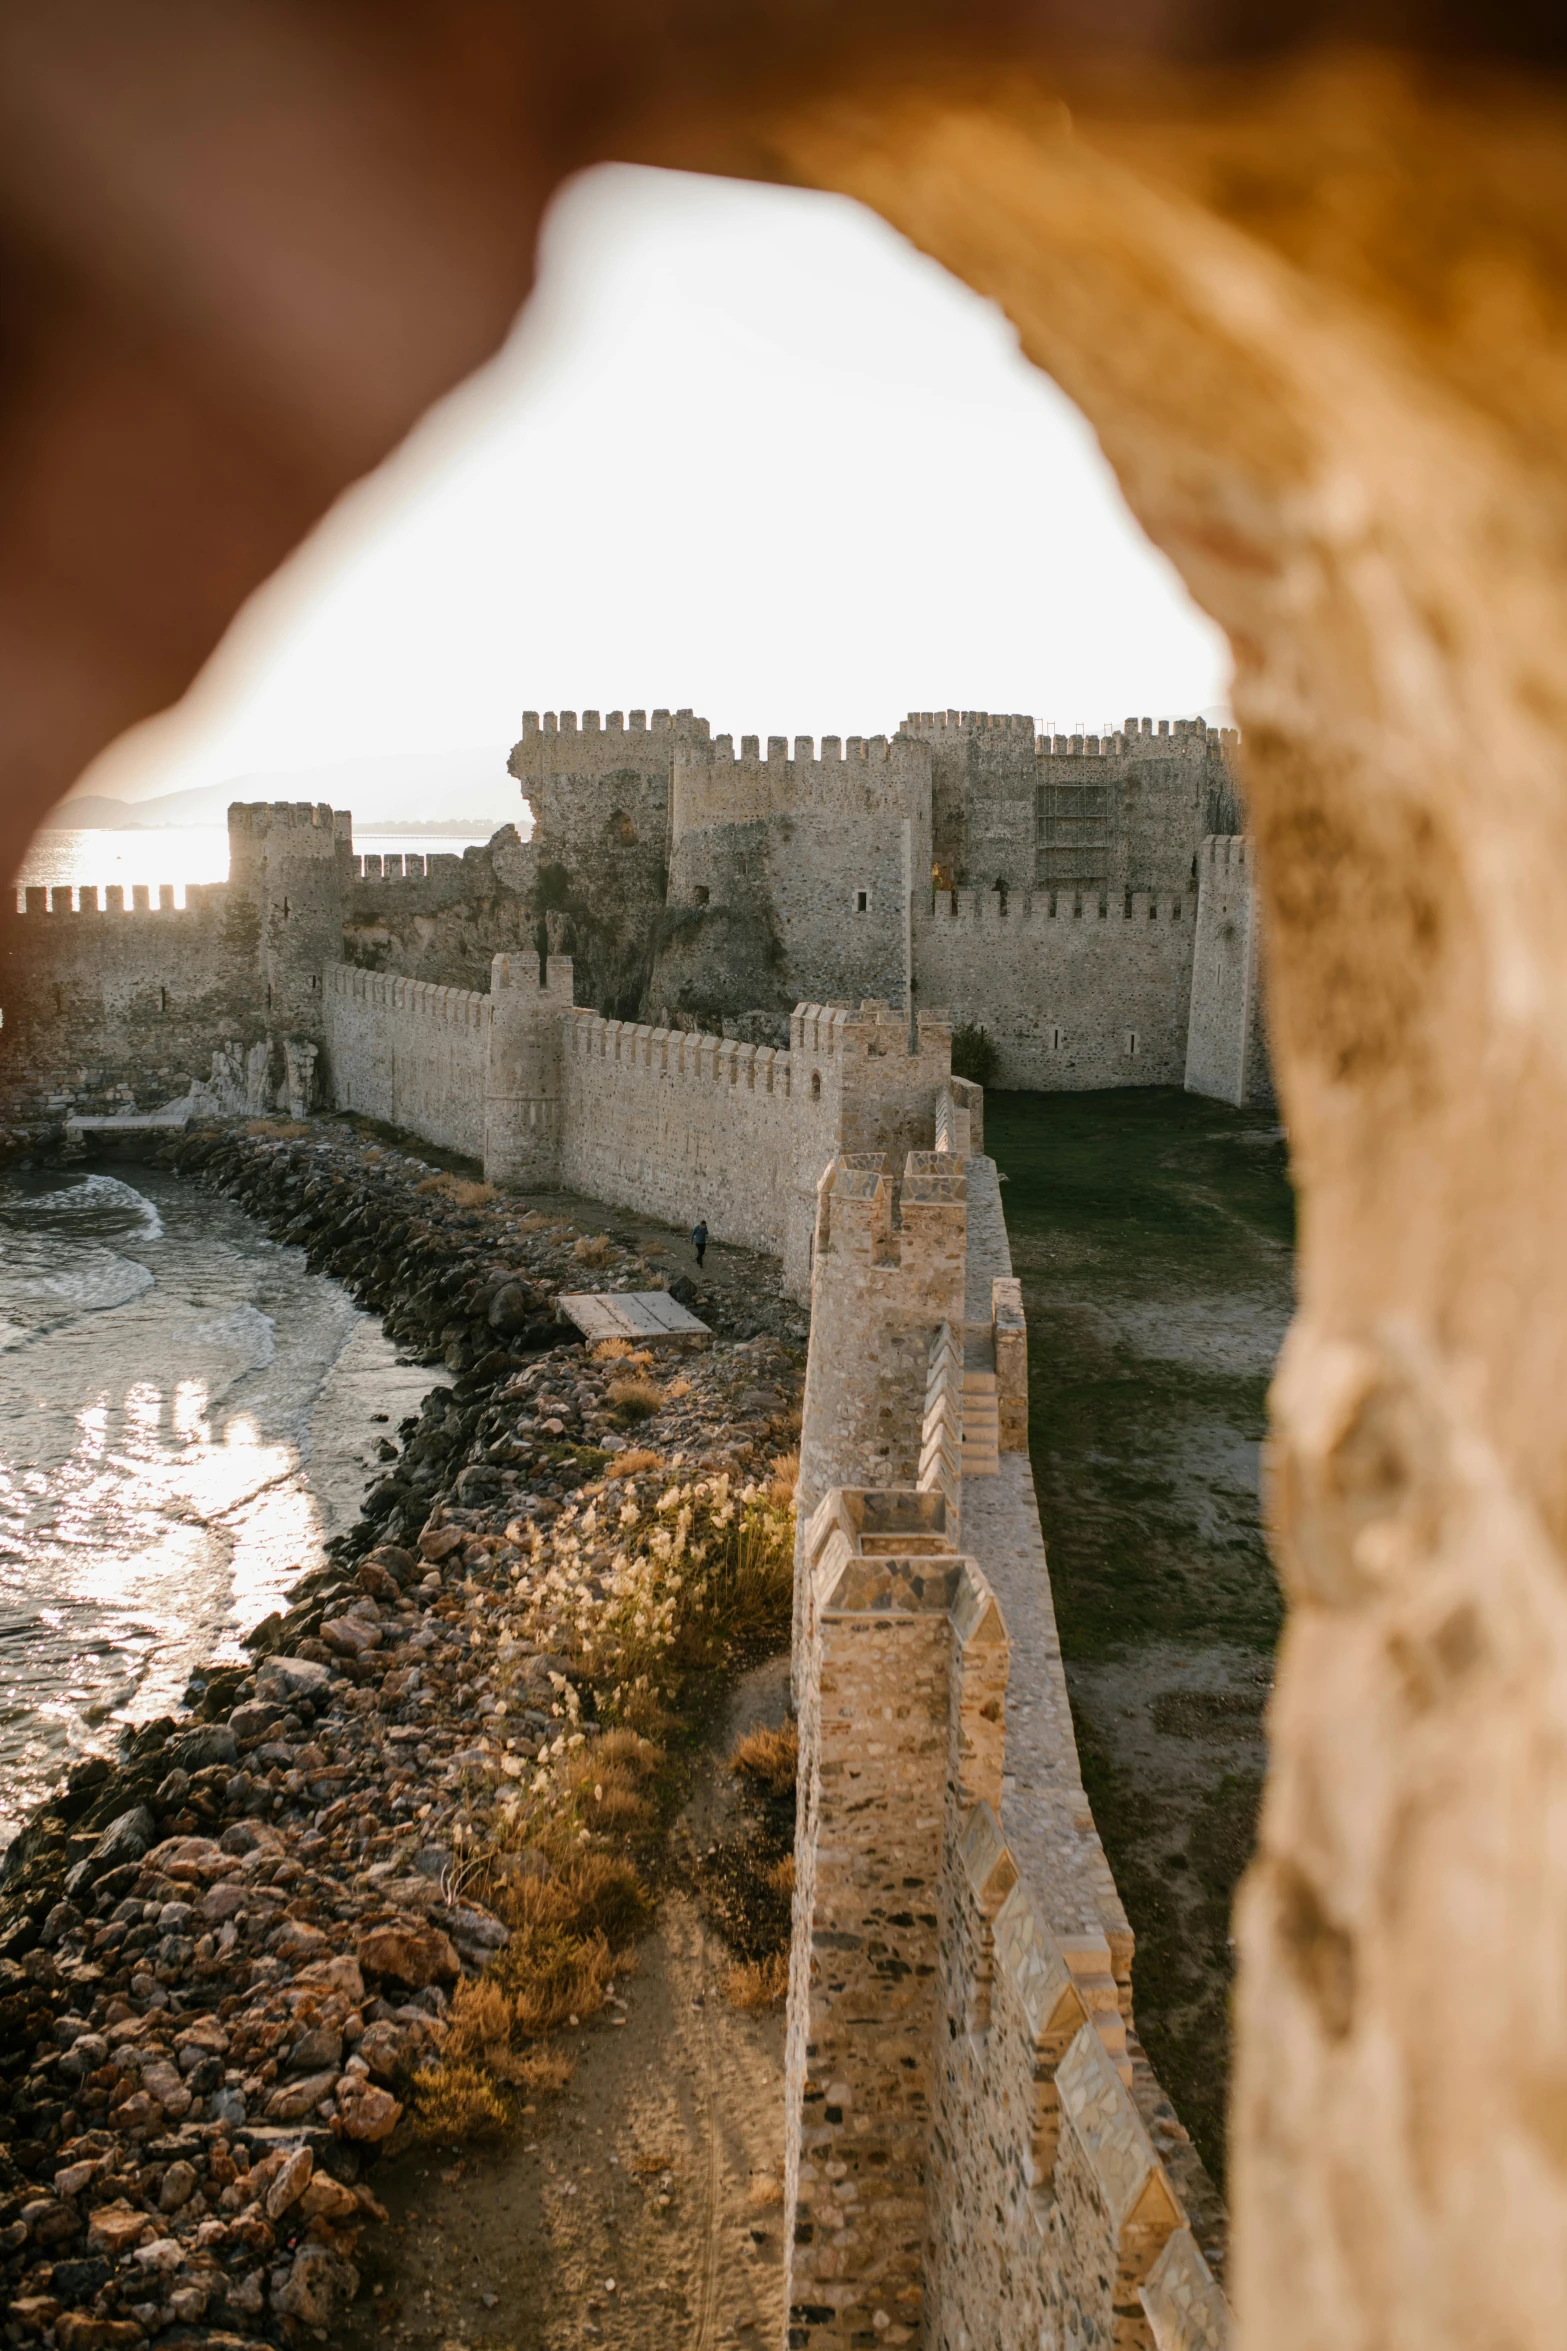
x=746 y=450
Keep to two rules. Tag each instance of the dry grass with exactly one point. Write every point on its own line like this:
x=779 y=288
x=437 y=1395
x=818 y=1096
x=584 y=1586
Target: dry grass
x=592 y=1249
x=456 y=2102
x=281 y=1130
x=611 y=1351
x=632 y=1464
x=781 y=1876
x=647 y=2164
x=635 y=1400
x=771 y=1758
x=786 y=1476
x=532 y=1222
x=758 y=1983
x=460 y=1190
x=765 y=2191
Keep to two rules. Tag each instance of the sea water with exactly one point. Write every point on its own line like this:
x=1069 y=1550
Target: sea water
x=186 y=1414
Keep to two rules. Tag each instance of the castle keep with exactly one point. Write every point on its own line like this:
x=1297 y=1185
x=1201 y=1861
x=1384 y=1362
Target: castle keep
x=1088 y=901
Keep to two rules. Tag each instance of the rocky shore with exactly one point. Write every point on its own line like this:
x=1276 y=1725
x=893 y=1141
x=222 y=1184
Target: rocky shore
x=351 y=1895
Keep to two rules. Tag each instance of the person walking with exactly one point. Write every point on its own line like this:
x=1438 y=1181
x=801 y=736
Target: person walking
x=699 y=1239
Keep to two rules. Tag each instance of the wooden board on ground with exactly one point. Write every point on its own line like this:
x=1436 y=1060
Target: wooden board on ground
x=643 y=1316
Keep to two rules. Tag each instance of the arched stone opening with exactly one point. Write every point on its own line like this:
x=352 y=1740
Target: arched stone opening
x=1316 y=313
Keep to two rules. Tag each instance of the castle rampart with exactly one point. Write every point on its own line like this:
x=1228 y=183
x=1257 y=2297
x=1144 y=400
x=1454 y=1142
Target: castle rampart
x=977 y=2152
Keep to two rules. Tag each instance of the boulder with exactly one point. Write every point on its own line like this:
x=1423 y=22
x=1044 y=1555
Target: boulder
x=294 y=2100
x=336 y=1975
x=368 y=2113
x=439 y=1543
x=162 y=2081
x=290 y=2181
x=409 y=1954
x=115 y=2228
x=292 y=1677
x=318 y=2289
x=255 y=1718
x=396 y=1561
x=125 y=1839
x=193 y=1751
x=327 y=2199
x=297 y=1939
x=79 y=2330
x=320 y=2045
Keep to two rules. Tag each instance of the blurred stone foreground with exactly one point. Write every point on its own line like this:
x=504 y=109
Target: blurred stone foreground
x=1311 y=296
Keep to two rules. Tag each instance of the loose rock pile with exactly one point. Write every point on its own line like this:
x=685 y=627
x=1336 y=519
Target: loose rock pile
x=230 y=1960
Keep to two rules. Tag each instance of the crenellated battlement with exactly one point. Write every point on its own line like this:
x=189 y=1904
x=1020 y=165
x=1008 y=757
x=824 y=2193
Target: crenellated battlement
x=305 y=821
x=683 y=724
x=713 y=784
x=453 y=1008
x=680 y=1053
x=62 y=899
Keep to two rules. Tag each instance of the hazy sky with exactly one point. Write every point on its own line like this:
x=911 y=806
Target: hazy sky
x=746 y=451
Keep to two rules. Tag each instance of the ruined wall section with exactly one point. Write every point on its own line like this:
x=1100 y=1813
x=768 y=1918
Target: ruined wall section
x=1073 y=991
x=1227 y=1049
x=791 y=876
x=600 y=796
x=441 y=917
x=112 y=1007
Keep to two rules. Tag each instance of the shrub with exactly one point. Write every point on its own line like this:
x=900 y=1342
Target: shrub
x=630 y=1465
x=635 y=1400
x=458 y=2102
x=460 y=1190
x=592 y=1249
x=974 y=1054
x=771 y=1758
x=758 y=1983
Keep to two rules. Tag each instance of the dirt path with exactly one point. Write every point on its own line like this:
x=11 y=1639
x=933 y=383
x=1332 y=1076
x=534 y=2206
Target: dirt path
x=646 y=2213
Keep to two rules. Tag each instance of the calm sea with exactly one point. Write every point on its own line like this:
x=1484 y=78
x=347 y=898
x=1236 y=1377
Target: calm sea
x=185 y=853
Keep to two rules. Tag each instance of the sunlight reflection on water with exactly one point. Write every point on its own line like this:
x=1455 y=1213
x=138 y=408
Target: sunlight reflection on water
x=165 y=1449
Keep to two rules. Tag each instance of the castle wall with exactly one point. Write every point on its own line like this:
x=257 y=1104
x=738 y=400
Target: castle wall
x=107 y=1007
x=600 y=796
x=1074 y=992
x=1226 y=1047
x=681 y=1126
x=976 y=2152
x=1102 y=813
x=411 y=1054
x=791 y=865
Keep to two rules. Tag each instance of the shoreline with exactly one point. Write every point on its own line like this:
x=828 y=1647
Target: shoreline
x=250 y=1960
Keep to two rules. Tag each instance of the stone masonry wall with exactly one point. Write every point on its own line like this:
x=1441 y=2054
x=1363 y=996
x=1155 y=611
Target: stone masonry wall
x=1075 y=992
x=105 y=1009
x=956 y=2039
x=411 y=1054
x=1226 y=1049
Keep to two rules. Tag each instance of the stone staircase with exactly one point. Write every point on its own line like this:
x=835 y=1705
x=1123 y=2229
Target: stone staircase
x=981 y=1454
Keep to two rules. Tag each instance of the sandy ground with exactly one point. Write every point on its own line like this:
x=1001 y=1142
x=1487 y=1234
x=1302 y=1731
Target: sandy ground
x=645 y=2212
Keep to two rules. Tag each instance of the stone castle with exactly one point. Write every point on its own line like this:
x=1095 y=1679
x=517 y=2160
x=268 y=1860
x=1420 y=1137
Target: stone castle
x=1087 y=901
x=978 y=2155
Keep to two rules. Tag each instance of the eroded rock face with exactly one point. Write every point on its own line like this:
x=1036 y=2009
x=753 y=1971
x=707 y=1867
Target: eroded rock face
x=1317 y=320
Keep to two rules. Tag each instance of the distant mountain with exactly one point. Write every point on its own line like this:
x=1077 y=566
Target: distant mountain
x=390 y=792
x=93 y=813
